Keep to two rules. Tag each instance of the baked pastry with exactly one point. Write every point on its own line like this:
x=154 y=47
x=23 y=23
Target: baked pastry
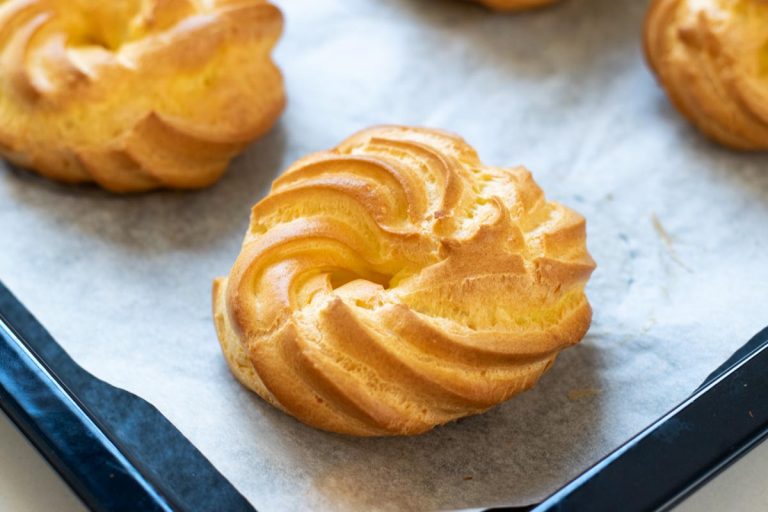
x=515 y=5
x=396 y=283
x=136 y=94
x=710 y=56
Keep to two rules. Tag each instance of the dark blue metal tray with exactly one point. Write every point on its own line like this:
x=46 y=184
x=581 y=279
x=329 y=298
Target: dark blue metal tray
x=116 y=451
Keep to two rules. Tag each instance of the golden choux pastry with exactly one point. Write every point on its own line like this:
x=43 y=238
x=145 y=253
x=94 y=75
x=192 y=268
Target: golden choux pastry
x=396 y=283
x=136 y=94
x=515 y=5
x=712 y=58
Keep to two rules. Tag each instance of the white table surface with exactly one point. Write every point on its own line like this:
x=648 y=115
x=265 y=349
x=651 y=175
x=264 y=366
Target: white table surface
x=29 y=484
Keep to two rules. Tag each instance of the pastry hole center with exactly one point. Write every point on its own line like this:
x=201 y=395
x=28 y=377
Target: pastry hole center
x=341 y=277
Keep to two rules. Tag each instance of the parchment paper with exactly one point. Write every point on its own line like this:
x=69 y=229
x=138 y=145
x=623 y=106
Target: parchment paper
x=678 y=226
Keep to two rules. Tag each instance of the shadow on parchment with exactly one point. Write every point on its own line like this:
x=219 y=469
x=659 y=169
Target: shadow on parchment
x=542 y=434
x=159 y=221
x=589 y=34
x=746 y=170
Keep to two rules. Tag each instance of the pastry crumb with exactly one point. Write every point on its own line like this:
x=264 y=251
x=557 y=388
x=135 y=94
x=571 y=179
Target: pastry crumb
x=669 y=242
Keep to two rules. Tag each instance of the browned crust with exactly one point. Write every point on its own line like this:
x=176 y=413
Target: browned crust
x=515 y=5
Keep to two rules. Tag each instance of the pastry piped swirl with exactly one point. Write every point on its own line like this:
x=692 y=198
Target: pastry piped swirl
x=396 y=283
x=711 y=56
x=136 y=94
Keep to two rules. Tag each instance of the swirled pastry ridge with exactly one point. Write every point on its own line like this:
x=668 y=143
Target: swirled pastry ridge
x=396 y=283
x=711 y=56
x=137 y=94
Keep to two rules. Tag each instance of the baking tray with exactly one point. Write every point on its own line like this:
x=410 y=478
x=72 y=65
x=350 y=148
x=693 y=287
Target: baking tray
x=117 y=452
